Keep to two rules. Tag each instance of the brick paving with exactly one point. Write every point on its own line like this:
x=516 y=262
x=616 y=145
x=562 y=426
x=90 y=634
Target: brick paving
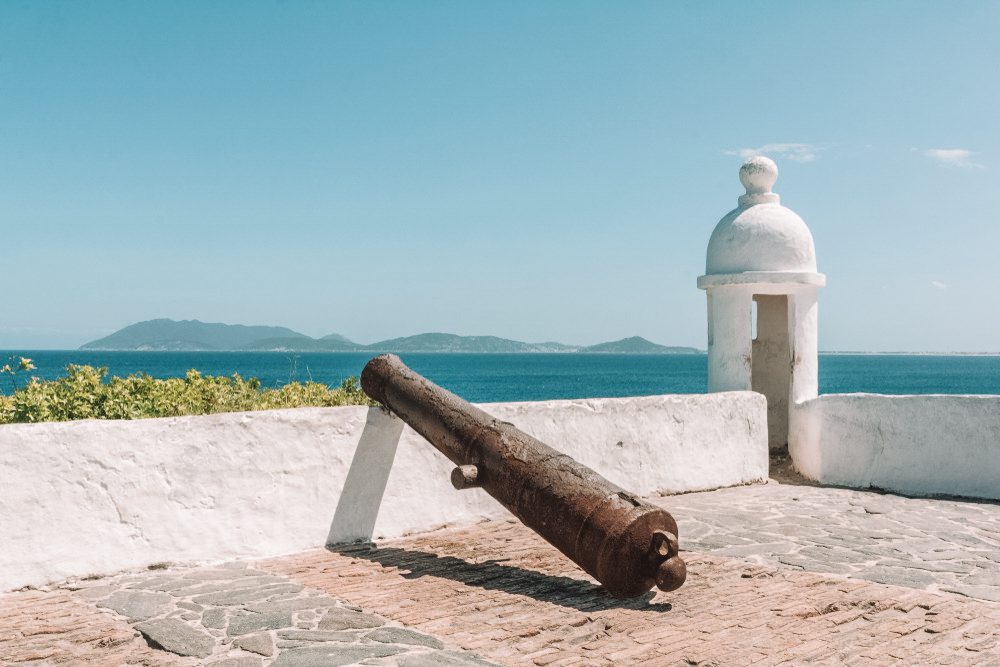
x=57 y=628
x=501 y=591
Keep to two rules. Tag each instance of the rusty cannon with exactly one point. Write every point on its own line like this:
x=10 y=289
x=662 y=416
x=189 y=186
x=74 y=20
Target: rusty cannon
x=626 y=544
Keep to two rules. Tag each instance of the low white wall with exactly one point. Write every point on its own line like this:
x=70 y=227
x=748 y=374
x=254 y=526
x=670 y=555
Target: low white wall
x=98 y=496
x=919 y=445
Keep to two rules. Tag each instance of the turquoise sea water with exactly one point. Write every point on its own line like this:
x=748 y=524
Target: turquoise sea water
x=532 y=377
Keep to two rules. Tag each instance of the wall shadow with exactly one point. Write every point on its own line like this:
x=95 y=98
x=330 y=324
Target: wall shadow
x=494 y=575
x=783 y=471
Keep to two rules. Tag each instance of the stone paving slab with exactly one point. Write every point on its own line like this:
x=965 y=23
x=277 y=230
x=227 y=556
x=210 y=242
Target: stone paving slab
x=931 y=544
x=501 y=591
x=229 y=616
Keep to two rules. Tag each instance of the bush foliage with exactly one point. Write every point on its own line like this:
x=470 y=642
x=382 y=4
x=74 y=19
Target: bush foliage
x=86 y=393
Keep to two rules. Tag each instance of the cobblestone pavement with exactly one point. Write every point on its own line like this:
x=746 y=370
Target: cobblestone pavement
x=778 y=573
x=230 y=616
x=940 y=545
x=501 y=591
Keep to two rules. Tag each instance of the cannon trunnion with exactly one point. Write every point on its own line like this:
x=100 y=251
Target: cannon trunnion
x=627 y=544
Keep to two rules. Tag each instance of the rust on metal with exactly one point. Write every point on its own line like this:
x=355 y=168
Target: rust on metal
x=625 y=543
x=465 y=477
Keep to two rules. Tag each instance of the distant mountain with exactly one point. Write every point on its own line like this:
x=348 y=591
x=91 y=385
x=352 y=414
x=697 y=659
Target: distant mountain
x=338 y=338
x=192 y=335
x=166 y=334
x=637 y=345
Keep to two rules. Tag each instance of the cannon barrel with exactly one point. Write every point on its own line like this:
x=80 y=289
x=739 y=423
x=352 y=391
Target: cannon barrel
x=625 y=543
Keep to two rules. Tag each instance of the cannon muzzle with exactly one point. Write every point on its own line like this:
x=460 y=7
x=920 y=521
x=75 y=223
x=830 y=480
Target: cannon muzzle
x=625 y=543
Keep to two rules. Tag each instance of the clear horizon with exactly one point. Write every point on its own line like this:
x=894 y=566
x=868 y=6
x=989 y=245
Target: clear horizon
x=550 y=340
x=533 y=172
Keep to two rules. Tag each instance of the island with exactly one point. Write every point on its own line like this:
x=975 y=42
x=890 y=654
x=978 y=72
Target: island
x=195 y=336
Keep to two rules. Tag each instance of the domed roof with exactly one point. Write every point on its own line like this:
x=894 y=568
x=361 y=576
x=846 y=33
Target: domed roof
x=760 y=234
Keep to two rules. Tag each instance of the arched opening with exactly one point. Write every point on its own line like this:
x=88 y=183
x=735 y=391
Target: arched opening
x=771 y=363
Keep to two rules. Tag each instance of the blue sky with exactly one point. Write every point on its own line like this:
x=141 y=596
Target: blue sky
x=539 y=171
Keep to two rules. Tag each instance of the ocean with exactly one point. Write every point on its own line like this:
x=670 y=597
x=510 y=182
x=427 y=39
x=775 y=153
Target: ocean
x=535 y=377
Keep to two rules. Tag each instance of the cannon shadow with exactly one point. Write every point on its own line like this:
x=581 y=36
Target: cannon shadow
x=497 y=576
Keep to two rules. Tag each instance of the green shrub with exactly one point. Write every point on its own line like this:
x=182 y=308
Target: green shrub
x=84 y=394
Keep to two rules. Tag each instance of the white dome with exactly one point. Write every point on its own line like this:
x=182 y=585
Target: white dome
x=761 y=234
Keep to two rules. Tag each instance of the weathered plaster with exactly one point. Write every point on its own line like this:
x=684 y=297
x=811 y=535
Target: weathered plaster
x=100 y=496
x=920 y=445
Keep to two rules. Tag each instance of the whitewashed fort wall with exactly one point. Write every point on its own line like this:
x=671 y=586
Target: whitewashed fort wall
x=100 y=496
x=917 y=445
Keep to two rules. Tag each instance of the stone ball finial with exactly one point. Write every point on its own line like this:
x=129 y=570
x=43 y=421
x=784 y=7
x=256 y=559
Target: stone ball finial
x=760 y=235
x=758 y=175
